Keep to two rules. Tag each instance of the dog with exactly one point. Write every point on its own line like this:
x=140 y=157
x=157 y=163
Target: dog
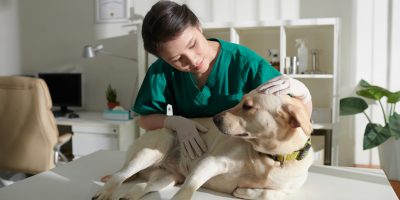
x=259 y=149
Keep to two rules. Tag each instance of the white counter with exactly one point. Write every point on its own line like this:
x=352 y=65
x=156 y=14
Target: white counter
x=78 y=180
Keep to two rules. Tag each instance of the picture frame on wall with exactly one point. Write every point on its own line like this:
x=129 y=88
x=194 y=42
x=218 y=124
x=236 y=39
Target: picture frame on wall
x=112 y=11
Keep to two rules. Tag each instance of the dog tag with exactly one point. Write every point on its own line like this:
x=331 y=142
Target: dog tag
x=169 y=110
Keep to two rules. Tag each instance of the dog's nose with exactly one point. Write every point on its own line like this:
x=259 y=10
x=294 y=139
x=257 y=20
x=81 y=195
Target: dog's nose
x=217 y=119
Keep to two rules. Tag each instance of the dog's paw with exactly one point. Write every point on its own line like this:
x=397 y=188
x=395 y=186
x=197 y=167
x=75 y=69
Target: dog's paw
x=256 y=193
x=248 y=193
x=126 y=192
x=126 y=197
x=102 y=195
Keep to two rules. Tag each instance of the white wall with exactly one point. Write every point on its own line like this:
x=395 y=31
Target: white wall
x=10 y=58
x=244 y=10
x=394 y=41
x=53 y=33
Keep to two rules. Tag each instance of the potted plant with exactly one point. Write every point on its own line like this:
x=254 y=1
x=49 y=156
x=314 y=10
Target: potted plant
x=111 y=95
x=386 y=135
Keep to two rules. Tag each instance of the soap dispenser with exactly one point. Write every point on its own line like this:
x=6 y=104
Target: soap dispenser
x=302 y=54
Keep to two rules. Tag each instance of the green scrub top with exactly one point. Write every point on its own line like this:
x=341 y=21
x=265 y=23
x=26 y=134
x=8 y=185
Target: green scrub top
x=236 y=71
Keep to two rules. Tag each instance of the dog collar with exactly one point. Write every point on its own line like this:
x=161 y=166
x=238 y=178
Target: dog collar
x=296 y=155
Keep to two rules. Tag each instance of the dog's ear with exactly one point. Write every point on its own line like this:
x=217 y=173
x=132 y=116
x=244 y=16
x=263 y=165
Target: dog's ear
x=298 y=117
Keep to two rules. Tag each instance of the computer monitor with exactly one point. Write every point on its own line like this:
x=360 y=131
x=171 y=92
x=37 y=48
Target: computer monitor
x=65 y=90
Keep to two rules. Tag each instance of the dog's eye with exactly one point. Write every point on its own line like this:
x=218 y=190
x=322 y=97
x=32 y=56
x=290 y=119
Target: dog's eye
x=247 y=106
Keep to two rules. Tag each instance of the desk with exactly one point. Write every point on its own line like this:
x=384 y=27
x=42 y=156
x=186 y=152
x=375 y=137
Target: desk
x=91 y=133
x=79 y=180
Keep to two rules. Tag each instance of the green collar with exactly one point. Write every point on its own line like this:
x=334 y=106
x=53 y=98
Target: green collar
x=296 y=155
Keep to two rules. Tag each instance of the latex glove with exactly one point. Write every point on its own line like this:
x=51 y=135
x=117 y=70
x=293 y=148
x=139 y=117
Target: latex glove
x=188 y=135
x=285 y=85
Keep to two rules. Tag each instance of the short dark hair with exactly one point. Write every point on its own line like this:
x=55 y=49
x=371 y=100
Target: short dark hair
x=165 y=21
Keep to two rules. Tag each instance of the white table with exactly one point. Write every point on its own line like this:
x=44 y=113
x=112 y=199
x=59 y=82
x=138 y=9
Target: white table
x=79 y=180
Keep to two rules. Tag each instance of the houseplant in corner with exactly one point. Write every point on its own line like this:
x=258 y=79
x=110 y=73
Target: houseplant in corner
x=385 y=136
x=111 y=95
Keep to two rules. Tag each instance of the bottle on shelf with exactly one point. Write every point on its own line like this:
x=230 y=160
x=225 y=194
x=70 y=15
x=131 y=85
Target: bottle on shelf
x=294 y=65
x=291 y=65
x=302 y=55
x=288 y=64
x=315 y=62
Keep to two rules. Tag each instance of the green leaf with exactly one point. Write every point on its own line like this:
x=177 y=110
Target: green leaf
x=394 y=97
x=363 y=83
x=375 y=135
x=394 y=124
x=373 y=92
x=352 y=105
x=111 y=94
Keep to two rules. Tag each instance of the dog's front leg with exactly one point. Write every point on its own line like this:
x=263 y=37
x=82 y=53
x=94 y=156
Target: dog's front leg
x=141 y=160
x=258 y=193
x=158 y=180
x=205 y=170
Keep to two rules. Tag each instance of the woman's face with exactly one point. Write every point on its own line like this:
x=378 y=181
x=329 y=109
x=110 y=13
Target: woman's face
x=188 y=52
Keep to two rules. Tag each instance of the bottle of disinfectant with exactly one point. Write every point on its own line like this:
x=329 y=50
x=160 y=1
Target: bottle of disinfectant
x=302 y=54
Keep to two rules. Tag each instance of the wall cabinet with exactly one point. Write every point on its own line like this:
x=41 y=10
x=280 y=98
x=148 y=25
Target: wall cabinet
x=320 y=35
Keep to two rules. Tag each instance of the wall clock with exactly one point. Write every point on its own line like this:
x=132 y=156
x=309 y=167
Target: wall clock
x=112 y=11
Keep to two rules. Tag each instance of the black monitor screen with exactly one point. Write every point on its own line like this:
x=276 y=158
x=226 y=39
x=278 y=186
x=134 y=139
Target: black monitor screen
x=65 y=88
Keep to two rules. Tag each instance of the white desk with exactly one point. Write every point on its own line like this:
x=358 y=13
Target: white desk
x=92 y=133
x=79 y=180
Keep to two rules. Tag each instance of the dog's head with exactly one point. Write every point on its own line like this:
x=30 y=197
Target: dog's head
x=271 y=124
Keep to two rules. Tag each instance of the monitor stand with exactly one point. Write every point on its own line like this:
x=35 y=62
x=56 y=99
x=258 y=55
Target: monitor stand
x=62 y=112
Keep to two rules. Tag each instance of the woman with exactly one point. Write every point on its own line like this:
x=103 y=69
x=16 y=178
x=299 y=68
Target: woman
x=198 y=77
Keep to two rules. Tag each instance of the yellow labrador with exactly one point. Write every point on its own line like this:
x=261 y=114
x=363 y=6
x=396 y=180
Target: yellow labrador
x=259 y=149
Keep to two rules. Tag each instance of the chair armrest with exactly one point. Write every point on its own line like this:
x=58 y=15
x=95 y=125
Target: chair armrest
x=64 y=138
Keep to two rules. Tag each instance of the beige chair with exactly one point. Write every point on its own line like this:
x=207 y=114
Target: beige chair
x=29 y=138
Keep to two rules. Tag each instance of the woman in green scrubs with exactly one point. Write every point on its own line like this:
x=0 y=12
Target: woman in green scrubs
x=199 y=77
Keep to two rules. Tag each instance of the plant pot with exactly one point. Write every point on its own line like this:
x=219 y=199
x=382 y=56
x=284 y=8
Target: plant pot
x=389 y=156
x=112 y=105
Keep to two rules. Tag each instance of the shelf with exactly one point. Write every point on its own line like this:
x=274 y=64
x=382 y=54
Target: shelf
x=279 y=36
x=327 y=126
x=216 y=25
x=243 y=24
x=311 y=22
x=316 y=76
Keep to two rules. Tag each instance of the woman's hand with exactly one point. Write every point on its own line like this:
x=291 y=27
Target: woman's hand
x=285 y=85
x=188 y=135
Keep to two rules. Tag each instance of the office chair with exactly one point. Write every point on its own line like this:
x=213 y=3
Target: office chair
x=29 y=138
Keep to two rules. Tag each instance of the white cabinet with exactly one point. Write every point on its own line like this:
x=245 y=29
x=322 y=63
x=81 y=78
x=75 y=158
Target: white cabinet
x=90 y=138
x=319 y=34
x=92 y=133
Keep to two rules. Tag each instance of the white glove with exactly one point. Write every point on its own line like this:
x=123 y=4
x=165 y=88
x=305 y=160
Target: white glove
x=285 y=85
x=188 y=134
